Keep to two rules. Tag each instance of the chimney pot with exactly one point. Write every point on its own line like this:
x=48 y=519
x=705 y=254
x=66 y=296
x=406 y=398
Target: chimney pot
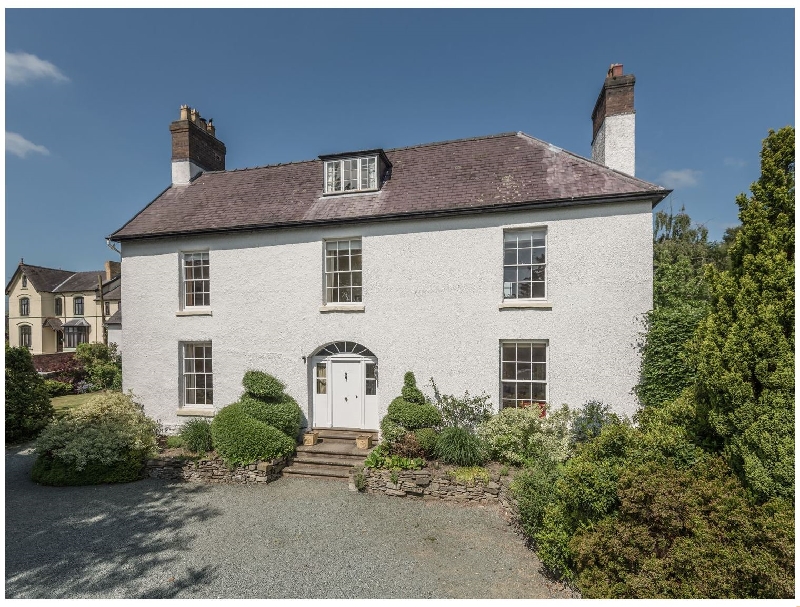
x=184 y=112
x=615 y=71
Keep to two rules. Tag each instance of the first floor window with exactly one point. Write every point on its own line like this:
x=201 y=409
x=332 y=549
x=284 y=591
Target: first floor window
x=523 y=373
x=24 y=306
x=59 y=308
x=198 y=378
x=75 y=335
x=196 y=283
x=78 y=306
x=25 y=336
x=343 y=271
x=524 y=264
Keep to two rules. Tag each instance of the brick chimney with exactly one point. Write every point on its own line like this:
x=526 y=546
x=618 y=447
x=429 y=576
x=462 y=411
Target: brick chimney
x=113 y=268
x=195 y=147
x=614 y=122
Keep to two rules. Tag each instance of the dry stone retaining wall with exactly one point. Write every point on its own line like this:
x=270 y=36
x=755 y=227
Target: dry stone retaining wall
x=213 y=470
x=437 y=484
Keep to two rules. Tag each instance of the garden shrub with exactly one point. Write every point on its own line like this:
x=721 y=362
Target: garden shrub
x=240 y=439
x=105 y=440
x=102 y=365
x=534 y=490
x=57 y=388
x=174 y=442
x=469 y=475
x=391 y=432
x=28 y=407
x=507 y=434
x=412 y=415
x=465 y=412
x=263 y=385
x=70 y=371
x=195 y=435
x=285 y=414
x=460 y=447
x=591 y=419
x=410 y=392
x=687 y=533
x=426 y=439
x=380 y=458
x=408 y=446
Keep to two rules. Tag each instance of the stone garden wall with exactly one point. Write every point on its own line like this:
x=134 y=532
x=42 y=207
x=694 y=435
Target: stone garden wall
x=439 y=484
x=213 y=470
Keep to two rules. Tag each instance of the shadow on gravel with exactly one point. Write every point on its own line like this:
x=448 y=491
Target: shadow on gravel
x=99 y=541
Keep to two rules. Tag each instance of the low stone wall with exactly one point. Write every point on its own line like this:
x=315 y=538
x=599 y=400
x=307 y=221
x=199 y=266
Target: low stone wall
x=213 y=470
x=439 y=484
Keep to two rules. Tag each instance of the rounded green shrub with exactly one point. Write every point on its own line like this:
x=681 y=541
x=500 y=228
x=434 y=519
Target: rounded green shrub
x=28 y=408
x=426 y=439
x=57 y=388
x=460 y=447
x=196 y=435
x=285 y=414
x=391 y=432
x=241 y=439
x=263 y=385
x=105 y=440
x=412 y=415
x=507 y=435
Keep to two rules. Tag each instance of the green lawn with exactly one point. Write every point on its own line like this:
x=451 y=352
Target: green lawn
x=63 y=403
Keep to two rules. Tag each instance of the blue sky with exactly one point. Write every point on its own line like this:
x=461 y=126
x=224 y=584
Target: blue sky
x=90 y=95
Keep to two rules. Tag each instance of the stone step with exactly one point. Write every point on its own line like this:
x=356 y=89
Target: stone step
x=334 y=447
x=301 y=469
x=327 y=459
x=344 y=433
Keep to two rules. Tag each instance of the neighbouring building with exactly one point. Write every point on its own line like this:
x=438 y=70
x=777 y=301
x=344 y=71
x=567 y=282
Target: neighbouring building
x=501 y=264
x=52 y=310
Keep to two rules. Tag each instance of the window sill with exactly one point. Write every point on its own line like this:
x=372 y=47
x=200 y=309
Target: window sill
x=342 y=308
x=198 y=312
x=184 y=412
x=517 y=305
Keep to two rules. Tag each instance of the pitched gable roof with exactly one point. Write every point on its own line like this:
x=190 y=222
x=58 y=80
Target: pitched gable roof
x=42 y=279
x=80 y=281
x=466 y=175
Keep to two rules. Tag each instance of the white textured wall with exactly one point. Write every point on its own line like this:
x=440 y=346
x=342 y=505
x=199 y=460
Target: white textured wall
x=615 y=143
x=115 y=337
x=431 y=291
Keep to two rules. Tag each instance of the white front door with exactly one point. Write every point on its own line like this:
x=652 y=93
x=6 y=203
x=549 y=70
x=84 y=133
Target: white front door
x=347 y=394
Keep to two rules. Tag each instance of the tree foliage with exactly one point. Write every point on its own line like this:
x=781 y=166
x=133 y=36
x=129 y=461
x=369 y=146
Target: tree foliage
x=744 y=350
x=28 y=407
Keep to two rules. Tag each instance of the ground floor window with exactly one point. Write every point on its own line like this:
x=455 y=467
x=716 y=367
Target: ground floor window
x=75 y=335
x=523 y=373
x=197 y=374
x=25 y=336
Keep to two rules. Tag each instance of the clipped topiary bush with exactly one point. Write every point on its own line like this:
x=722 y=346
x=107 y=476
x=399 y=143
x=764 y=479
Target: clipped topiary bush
x=241 y=439
x=263 y=385
x=285 y=415
x=426 y=439
x=196 y=435
x=460 y=447
x=410 y=392
x=412 y=415
x=27 y=406
x=106 y=440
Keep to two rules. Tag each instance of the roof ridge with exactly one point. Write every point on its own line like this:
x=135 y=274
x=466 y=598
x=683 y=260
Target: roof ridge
x=407 y=147
x=30 y=265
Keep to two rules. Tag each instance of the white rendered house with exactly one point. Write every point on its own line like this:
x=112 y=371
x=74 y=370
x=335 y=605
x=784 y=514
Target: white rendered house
x=500 y=264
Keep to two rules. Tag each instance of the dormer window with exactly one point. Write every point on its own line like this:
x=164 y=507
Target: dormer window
x=358 y=172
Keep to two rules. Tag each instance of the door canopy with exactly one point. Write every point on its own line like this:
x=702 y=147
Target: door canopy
x=344 y=347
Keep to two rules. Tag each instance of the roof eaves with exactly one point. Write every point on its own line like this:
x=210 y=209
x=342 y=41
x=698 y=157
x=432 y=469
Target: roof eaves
x=111 y=237
x=658 y=195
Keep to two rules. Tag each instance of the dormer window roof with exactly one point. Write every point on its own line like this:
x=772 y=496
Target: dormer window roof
x=354 y=171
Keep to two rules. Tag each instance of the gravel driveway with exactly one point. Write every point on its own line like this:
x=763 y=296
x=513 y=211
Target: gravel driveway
x=294 y=538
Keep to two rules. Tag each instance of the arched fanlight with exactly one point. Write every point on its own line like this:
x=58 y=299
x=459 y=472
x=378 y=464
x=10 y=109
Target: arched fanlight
x=345 y=347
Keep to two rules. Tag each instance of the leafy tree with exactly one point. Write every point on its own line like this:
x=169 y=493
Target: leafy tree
x=28 y=407
x=681 y=251
x=744 y=350
x=102 y=364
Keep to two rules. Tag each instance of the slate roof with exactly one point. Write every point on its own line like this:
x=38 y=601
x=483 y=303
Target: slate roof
x=466 y=175
x=80 y=281
x=43 y=279
x=115 y=318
